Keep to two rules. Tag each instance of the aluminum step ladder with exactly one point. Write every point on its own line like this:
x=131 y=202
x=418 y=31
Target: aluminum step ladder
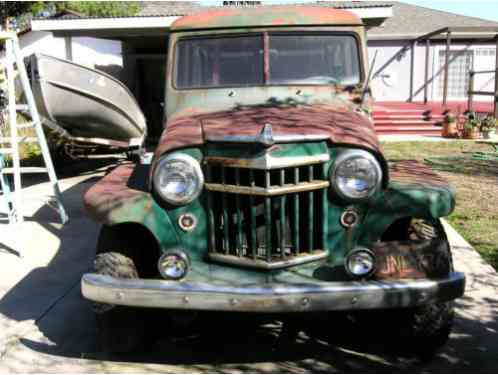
x=14 y=58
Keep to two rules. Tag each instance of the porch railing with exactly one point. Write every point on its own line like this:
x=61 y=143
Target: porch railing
x=472 y=91
x=449 y=31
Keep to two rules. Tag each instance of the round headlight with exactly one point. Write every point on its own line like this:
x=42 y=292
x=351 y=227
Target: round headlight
x=356 y=174
x=178 y=178
x=360 y=262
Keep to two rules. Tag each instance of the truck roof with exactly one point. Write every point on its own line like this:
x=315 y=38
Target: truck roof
x=265 y=16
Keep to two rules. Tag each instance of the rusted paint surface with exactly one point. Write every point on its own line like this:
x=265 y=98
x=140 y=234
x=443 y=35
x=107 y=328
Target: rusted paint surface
x=112 y=192
x=402 y=259
x=411 y=259
x=340 y=124
x=238 y=17
x=180 y=133
x=412 y=172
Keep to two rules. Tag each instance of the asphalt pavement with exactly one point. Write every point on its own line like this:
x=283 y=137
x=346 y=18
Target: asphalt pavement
x=46 y=326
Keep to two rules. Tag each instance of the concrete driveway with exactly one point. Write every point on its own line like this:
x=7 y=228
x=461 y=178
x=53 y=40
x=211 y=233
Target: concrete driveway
x=46 y=326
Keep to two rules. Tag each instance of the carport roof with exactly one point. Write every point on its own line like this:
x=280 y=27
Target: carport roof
x=397 y=20
x=156 y=17
x=233 y=17
x=182 y=8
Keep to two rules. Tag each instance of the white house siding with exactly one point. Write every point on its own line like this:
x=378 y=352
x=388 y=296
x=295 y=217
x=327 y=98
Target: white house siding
x=96 y=52
x=40 y=42
x=393 y=84
x=104 y=54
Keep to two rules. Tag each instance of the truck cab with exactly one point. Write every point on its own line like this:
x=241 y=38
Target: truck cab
x=268 y=191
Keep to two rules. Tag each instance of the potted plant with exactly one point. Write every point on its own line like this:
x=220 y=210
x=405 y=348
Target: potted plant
x=488 y=127
x=450 y=128
x=471 y=129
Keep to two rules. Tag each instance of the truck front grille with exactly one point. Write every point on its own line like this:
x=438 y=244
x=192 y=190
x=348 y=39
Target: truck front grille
x=266 y=218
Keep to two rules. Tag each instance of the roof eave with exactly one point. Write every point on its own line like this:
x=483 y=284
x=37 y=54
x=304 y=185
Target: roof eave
x=454 y=36
x=154 y=22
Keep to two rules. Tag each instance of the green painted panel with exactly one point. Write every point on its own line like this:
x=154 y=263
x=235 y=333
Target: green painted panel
x=376 y=215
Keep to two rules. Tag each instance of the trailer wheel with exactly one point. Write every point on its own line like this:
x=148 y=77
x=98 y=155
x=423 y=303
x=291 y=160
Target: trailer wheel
x=120 y=328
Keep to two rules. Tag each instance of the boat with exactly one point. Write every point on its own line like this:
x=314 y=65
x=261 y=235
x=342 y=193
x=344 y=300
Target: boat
x=85 y=104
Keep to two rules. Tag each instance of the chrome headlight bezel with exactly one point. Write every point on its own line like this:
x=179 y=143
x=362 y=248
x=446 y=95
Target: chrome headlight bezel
x=355 y=154
x=183 y=158
x=358 y=253
x=176 y=258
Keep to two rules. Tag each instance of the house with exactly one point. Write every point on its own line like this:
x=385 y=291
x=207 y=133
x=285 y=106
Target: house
x=83 y=50
x=134 y=50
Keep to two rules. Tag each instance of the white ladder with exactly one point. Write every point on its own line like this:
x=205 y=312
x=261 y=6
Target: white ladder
x=13 y=56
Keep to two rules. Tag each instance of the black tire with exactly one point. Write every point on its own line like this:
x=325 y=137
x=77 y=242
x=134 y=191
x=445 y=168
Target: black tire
x=425 y=329
x=120 y=328
x=418 y=331
x=441 y=263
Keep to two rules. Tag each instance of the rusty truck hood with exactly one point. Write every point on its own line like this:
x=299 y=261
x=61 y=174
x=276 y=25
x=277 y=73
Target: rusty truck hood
x=339 y=125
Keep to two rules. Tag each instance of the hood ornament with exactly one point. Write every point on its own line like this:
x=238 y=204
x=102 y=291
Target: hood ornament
x=266 y=136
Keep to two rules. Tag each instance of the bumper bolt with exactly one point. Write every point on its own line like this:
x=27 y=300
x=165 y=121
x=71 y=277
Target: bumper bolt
x=354 y=300
x=305 y=301
x=185 y=300
x=233 y=302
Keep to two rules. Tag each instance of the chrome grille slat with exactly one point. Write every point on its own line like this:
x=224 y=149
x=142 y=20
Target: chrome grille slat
x=282 y=216
x=296 y=214
x=239 y=216
x=310 y=210
x=263 y=230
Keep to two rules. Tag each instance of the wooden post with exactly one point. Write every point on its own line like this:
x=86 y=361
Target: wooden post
x=496 y=78
x=446 y=65
x=412 y=69
x=426 y=76
x=470 y=93
x=68 y=45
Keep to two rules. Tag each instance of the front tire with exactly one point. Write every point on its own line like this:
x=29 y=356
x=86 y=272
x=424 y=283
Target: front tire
x=423 y=330
x=120 y=328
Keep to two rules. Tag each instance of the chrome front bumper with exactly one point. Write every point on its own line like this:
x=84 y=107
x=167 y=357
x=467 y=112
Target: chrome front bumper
x=320 y=296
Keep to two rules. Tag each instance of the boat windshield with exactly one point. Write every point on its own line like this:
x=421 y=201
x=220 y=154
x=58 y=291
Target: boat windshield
x=290 y=59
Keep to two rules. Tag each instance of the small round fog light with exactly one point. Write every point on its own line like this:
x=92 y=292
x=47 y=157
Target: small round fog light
x=174 y=265
x=360 y=262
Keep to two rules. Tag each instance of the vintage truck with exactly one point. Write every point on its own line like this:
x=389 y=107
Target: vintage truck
x=268 y=191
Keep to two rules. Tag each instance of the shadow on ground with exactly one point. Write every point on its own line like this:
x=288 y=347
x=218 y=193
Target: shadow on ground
x=473 y=164
x=218 y=342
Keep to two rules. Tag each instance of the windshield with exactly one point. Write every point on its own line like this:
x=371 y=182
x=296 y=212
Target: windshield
x=293 y=59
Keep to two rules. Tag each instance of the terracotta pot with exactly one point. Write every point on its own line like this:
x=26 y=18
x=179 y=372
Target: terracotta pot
x=471 y=133
x=450 y=129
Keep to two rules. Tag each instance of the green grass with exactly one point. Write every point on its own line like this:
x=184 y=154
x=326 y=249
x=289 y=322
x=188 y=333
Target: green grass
x=476 y=183
x=27 y=151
